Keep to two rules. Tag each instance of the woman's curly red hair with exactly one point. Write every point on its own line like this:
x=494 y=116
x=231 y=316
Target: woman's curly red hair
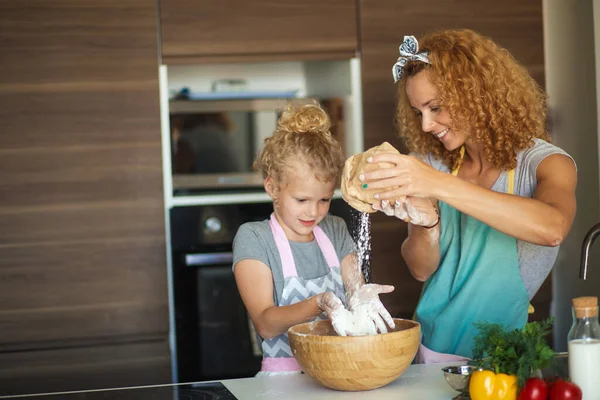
x=486 y=92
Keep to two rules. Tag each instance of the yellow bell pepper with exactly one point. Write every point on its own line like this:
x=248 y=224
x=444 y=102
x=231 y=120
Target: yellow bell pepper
x=486 y=385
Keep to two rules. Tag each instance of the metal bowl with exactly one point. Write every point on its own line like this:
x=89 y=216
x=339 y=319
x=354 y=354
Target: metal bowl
x=458 y=376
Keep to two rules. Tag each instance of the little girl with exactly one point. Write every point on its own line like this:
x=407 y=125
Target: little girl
x=288 y=268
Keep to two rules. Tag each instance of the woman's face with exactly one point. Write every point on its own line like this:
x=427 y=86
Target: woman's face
x=435 y=119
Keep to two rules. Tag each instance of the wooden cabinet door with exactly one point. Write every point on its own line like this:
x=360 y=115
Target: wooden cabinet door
x=222 y=29
x=82 y=232
x=97 y=367
x=514 y=24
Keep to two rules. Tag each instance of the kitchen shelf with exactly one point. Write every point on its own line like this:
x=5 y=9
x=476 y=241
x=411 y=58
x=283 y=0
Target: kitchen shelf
x=195 y=106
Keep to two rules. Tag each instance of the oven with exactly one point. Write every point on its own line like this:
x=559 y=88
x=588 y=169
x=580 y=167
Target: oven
x=214 y=338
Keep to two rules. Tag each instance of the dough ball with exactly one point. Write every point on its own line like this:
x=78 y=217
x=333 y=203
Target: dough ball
x=352 y=190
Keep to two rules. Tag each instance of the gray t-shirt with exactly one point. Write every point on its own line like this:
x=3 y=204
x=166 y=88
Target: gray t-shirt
x=535 y=262
x=254 y=240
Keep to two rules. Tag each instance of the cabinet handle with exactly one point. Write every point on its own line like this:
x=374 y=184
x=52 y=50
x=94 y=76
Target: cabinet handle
x=194 y=260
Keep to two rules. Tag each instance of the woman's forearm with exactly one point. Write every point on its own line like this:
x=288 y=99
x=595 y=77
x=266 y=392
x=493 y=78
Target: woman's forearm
x=278 y=319
x=421 y=251
x=526 y=219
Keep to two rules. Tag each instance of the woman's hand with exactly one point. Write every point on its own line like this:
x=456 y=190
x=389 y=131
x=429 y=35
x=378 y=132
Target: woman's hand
x=414 y=210
x=408 y=177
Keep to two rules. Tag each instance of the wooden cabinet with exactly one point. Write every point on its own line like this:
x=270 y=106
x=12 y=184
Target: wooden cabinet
x=201 y=31
x=55 y=370
x=82 y=254
x=514 y=24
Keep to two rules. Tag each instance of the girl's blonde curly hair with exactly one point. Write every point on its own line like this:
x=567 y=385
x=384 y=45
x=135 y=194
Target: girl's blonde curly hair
x=486 y=92
x=302 y=135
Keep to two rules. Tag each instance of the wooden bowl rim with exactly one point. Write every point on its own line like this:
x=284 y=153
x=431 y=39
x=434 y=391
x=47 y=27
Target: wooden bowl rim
x=293 y=331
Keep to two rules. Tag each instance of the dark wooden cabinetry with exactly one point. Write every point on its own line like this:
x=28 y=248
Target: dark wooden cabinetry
x=201 y=31
x=83 y=280
x=79 y=368
x=514 y=24
x=82 y=235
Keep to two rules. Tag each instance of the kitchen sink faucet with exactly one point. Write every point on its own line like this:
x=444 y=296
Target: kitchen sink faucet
x=585 y=250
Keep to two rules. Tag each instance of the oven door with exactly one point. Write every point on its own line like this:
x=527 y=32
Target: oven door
x=214 y=337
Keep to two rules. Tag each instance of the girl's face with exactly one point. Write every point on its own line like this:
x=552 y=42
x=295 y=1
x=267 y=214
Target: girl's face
x=301 y=202
x=435 y=120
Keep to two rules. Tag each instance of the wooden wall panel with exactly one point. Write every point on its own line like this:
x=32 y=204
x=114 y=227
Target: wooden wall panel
x=126 y=364
x=82 y=290
x=82 y=242
x=231 y=29
x=79 y=114
x=514 y=24
x=93 y=221
x=78 y=41
x=51 y=177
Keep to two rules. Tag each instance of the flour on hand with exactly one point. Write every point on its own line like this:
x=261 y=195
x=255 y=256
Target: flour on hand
x=354 y=323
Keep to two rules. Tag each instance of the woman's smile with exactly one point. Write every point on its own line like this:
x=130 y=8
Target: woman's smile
x=442 y=134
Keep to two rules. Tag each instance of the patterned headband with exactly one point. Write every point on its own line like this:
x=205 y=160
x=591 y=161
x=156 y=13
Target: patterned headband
x=409 y=50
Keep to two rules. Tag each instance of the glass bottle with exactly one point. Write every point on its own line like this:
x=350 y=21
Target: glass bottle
x=584 y=347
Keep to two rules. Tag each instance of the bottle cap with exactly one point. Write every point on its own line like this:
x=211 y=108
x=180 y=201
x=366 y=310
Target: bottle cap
x=585 y=306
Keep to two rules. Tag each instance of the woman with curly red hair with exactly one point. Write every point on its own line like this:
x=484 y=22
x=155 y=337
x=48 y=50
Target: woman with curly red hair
x=488 y=199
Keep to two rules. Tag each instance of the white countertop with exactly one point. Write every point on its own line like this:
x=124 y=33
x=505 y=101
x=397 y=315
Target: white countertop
x=418 y=382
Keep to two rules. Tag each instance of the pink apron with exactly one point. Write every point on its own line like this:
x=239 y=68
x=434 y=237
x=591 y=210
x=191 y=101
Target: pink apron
x=277 y=355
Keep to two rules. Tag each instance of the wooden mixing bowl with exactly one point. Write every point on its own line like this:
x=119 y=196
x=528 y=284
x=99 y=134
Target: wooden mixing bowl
x=353 y=363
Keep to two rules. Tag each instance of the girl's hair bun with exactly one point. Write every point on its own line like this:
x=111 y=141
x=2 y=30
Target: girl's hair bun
x=304 y=118
x=302 y=134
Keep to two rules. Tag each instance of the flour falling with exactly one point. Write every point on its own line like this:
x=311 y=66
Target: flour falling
x=362 y=238
x=365 y=313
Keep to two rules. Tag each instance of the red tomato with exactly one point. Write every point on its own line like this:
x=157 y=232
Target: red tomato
x=534 y=389
x=564 y=390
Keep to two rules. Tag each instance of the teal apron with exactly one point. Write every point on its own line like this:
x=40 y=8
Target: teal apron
x=478 y=279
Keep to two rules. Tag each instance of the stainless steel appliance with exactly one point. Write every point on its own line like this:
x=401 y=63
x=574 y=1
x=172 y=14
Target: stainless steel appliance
x=213 y=336
x=214 y=142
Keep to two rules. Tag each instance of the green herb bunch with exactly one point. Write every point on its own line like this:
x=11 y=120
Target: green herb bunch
x=519 y=352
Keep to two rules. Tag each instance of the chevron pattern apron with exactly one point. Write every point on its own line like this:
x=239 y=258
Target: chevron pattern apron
x=277 y=355
x=478 y=279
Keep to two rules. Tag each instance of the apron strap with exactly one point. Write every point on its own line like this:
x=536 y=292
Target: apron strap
x=280 y=364
x=285 y=251
x=283 y=246
x=460 y=160
x=326 y=247
x=511 y=181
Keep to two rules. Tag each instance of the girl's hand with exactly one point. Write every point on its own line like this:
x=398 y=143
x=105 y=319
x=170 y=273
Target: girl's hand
x=335 y=310
x=409 y=176
x=328 y=302
x=365 y=304
x=414 y=210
